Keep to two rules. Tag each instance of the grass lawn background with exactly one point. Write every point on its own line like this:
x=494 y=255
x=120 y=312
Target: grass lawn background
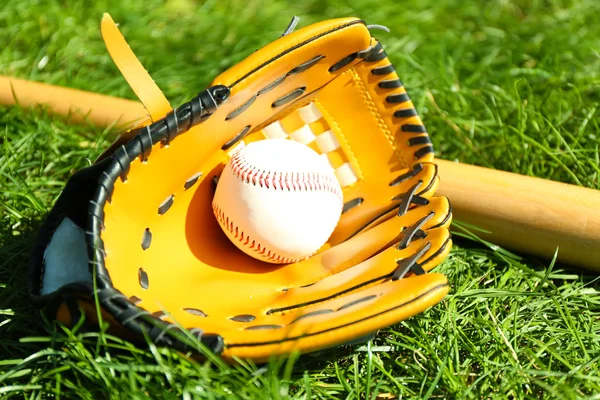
x=511 y=85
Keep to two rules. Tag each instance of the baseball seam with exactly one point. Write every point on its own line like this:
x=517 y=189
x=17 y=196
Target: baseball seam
x=290 y=181
x=247 y=241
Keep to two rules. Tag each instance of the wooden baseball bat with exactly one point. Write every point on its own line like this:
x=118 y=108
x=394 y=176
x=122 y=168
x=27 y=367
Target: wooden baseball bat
x=521 y=213
x=76 y=105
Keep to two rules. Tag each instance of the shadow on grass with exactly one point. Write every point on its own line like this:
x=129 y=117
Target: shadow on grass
x=18 y=317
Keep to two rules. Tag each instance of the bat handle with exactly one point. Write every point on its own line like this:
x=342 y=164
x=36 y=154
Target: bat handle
x=77 y=105
x=527 y=214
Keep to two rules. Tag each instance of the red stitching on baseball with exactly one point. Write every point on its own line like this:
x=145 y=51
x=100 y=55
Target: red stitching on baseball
x=291 y=181
x=245 y=239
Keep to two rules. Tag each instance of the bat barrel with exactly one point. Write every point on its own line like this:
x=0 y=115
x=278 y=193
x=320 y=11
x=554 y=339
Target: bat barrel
x=526 y=214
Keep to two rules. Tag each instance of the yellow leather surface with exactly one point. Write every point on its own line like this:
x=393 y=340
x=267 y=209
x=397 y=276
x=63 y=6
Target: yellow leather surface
x=190 y=263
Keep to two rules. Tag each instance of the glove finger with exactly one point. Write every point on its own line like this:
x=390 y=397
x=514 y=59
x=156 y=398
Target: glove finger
x=370 y=204
x=420 y=255
x=397 y=228
x=338 y=320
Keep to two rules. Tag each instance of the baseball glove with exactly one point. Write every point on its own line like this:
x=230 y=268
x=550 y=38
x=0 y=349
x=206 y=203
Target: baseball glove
x=135 y=233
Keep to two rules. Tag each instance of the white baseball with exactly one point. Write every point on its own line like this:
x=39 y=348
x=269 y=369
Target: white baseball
x=277 y=200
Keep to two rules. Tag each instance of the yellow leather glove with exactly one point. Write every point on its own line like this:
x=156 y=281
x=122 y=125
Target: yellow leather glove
x=140 y=219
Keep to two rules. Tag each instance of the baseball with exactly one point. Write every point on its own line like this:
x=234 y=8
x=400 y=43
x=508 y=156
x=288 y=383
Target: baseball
x=278 y=200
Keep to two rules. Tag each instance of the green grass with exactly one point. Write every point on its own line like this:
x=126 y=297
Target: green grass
x=512 y=85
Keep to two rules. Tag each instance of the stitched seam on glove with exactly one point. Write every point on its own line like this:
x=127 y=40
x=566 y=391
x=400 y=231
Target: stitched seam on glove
x=342 y=139
x=364 y=92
